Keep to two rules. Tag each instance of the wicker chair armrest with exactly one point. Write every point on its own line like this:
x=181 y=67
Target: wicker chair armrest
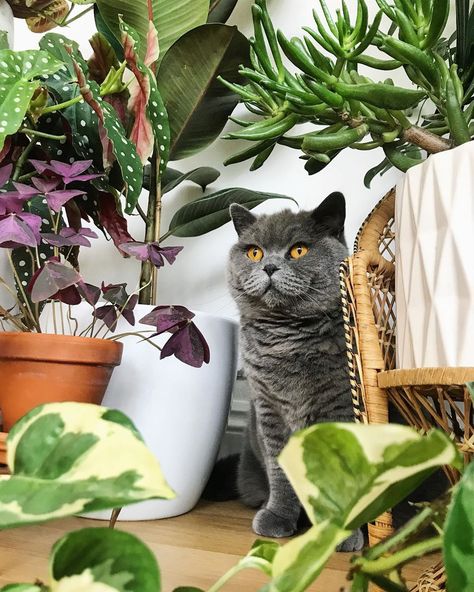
x=425 y=376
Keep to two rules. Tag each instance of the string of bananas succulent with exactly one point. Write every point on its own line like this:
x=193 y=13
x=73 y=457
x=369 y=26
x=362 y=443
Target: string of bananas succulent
x=330 y=89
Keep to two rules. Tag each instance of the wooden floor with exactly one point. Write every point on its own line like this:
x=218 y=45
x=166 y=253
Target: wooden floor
x=194 y=549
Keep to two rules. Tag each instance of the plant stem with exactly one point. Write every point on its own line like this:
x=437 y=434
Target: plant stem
x=225 y=578
x=426 y=140
x=31 y=132
x=78 y=16
x=53 y=108
x=21 y=161
x=386 y=564
x=26 y=302
x=148 y=275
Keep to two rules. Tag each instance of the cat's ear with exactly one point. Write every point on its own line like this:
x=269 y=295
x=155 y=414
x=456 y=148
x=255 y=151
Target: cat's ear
x=241 y=217
x=331 y=214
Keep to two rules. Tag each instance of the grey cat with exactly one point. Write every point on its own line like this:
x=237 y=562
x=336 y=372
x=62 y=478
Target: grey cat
x=283 y=275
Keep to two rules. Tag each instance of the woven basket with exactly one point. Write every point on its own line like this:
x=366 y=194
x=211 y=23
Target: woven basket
x=427 y=397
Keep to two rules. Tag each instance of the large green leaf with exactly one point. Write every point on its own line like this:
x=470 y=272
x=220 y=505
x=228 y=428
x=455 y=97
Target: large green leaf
x=19 y=78
x=63 y=459
x=172 y=18
x=458 y=551
x=23 y=588
x=100 y=559
x=212 y=211
x=198 y=104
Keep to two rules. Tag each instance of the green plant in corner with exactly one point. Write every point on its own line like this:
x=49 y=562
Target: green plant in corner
x=349 y=109
x=366 y=470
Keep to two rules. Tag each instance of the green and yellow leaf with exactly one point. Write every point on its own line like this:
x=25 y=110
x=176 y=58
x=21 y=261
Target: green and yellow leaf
x=67 y=458
x=349 y=474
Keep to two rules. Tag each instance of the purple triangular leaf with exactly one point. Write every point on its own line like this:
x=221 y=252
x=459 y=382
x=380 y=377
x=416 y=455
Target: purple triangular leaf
x=52 y=277
x=69 y=170
x=40 y=165
x=45 y=185
x=135 y=249
x=55 y=240
x=11 y=202
x=26 y=191
x=56 y=199
x=90 y=293
x=20 y=230
x=188 y=345
x=69 y=295
x=169 y=253
x=129 y=316
x=108 y=315
x=166 y=318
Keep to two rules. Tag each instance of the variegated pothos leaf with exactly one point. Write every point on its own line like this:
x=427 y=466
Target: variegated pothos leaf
x=346 y=475
x=103 y=560
x=67 y=458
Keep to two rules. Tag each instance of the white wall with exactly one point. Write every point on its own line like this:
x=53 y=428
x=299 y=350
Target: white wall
x=197 y=279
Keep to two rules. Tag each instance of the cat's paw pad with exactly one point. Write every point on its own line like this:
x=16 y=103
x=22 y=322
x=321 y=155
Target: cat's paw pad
x=266 y=523
x=353 y=543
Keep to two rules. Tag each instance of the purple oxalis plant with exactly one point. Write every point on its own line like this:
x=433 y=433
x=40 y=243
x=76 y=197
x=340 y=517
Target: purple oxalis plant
x=57 y=279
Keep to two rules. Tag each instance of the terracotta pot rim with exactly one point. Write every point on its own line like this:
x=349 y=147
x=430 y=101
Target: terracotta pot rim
x=69 y=349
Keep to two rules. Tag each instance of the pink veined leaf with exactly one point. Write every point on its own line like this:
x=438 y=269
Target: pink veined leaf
x=107 y=148
x=5 y=173
x=152 y=45
x=167 y=318
x=45 y=185
x=50 y=279
x=188 y=345
x=142 y=132
x=20 y=230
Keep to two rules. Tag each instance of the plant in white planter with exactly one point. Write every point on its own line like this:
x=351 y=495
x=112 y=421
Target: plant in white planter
x=329 y=87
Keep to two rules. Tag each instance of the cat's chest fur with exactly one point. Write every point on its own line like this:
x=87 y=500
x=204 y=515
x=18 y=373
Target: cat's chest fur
x=287 y=359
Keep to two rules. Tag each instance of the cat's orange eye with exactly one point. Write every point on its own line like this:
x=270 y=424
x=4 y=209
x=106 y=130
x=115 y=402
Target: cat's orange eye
x=254 y=253
x=299 y=250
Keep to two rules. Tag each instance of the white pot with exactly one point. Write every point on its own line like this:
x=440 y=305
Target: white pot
x=435 y=263
x=6 y=20
x=180 y=411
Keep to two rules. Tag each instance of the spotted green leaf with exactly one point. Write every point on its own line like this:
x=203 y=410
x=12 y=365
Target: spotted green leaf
x=346 y=475
x=114 y=139
x=19 y=78
x=64 y=459
x=458 y=551
x=103 y=560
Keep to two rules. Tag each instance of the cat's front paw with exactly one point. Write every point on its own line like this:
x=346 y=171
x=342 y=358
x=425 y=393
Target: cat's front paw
x=353 y=543
x=267 y=523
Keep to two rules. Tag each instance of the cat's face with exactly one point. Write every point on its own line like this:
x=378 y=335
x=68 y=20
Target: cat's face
x=288 y=262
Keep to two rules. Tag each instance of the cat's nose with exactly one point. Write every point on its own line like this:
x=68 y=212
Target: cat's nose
x=270 y=269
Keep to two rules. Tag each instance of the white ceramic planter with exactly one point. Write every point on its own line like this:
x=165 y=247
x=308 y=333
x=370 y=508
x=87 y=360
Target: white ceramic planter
x=6 y=20
x=435 y=262
x=180 y=411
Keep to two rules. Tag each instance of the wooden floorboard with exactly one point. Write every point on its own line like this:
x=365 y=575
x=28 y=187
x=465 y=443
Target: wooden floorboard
x=194 y=549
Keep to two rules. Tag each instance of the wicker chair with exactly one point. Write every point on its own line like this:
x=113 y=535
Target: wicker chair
x=427 y=397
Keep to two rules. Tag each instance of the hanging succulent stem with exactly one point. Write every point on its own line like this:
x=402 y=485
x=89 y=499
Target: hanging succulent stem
x=148 y=276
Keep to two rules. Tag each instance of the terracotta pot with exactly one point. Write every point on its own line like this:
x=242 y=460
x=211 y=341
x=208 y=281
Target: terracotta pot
x=37 y=368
